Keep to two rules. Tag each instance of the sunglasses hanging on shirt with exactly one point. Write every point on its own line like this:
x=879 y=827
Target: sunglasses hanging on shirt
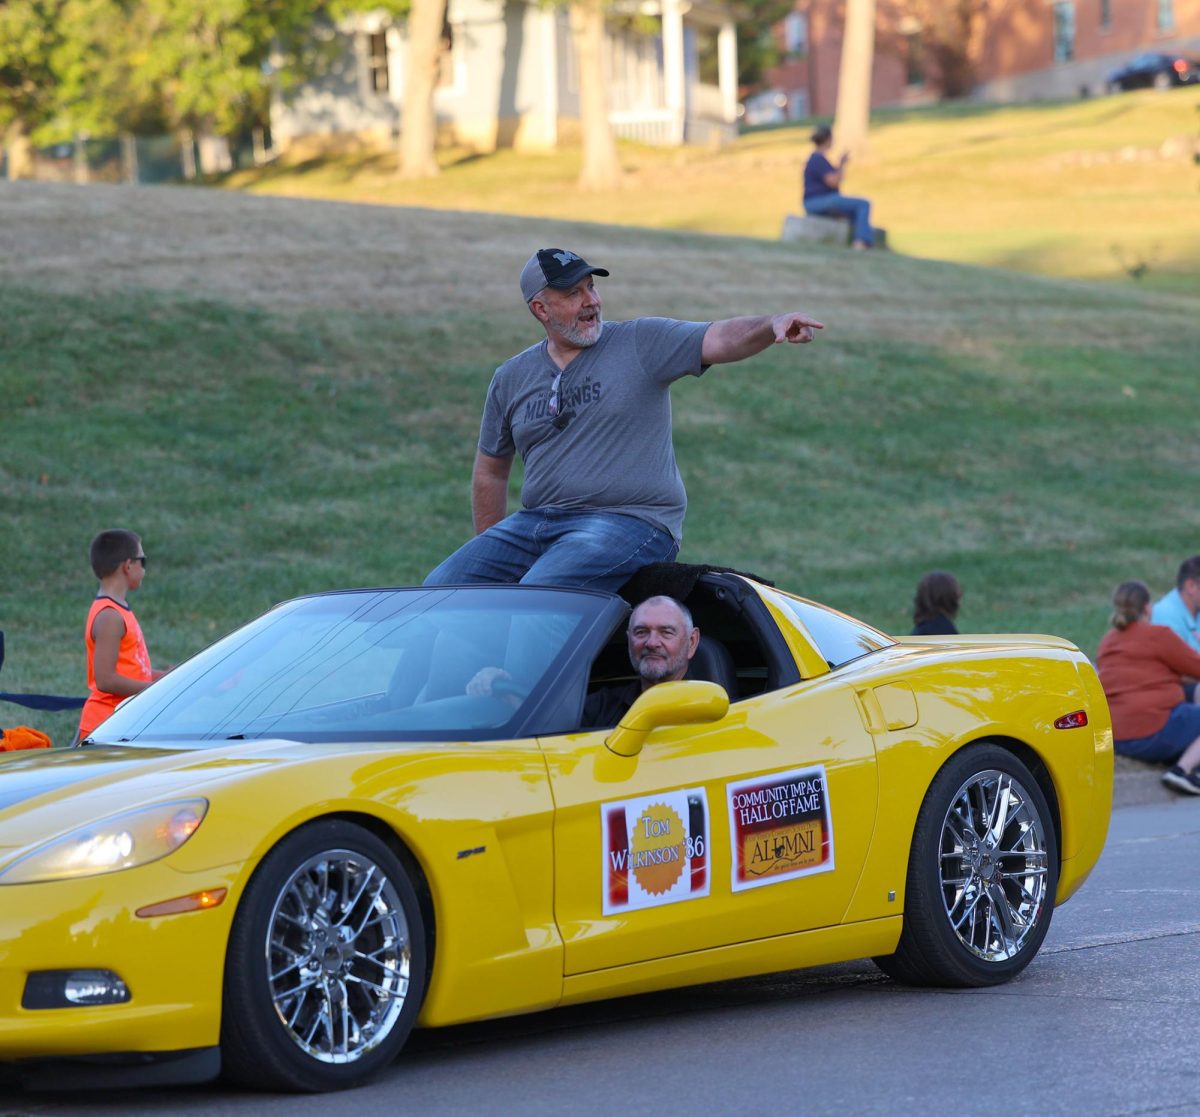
x=560 y=420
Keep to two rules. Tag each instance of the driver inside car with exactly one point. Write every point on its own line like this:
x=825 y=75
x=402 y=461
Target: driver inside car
x=662 y=640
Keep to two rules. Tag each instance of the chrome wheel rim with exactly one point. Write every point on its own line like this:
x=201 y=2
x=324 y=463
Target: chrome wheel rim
x=338 y=956
x=993 y=866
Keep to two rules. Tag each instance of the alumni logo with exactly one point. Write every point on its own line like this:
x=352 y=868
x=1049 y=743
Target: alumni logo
x=781 y=827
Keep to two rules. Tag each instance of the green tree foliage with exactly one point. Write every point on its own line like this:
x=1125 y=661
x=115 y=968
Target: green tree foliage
x=30 y=32
x=105 y=66
x=207 y=62
x=758 y=47
x=94 y=92
x=63 y=73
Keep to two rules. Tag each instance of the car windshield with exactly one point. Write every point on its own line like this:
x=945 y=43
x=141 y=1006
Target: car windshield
x=368 y=665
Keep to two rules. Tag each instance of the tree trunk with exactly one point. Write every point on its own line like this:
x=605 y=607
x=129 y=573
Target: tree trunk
x=129 y=158
x=187 y=153
x=601 y=168
x=80 y=160
x=418 y=125
x=19 y=152
x=854 y=78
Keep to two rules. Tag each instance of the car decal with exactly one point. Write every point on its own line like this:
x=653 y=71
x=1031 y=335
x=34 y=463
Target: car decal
x=655 y=850
x=781 y=827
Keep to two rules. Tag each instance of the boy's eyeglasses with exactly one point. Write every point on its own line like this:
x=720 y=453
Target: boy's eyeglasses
x=141 y=559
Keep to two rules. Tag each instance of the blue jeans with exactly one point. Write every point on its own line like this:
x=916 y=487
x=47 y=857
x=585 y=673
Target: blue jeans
x=543 y=546
x=842 y=205
x=1181 y=729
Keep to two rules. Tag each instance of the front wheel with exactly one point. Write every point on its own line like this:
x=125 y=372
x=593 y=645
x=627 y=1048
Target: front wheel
x=325 y=970
x=982 y=875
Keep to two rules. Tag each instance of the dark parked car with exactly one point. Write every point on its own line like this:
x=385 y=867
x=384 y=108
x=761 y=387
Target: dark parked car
x=1160 y=71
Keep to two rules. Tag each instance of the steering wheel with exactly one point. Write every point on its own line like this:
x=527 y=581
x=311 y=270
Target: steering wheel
x=508 y=688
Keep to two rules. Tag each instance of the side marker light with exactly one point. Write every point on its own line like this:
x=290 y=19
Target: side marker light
x=1077 y=720
x=197 y=901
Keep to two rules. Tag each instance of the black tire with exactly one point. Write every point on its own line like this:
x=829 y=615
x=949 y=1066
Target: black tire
x=975 y=915
x=326 y=966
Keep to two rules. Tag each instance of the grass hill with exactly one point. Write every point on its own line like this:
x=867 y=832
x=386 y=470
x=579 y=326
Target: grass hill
x=1100 y=189
x=283 y=396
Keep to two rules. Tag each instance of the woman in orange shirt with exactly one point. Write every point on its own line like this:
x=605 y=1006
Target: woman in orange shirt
x=1142 y=667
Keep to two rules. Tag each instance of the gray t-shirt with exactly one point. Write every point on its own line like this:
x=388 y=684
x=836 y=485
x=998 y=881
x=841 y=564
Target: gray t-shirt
x=615 y=454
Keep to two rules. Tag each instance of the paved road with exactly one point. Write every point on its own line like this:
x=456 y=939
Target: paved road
x=1104 y=1023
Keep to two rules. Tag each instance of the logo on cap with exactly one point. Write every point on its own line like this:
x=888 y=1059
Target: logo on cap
x=554 y=267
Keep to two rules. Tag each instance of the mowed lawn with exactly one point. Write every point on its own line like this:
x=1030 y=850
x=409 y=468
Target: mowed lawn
x=1106 y=189
x=283 y=396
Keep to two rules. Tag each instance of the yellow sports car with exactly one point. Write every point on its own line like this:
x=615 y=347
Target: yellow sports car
x=322 y=831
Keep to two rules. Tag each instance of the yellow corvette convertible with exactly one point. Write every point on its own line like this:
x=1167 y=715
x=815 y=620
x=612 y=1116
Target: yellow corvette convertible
x=316 y=834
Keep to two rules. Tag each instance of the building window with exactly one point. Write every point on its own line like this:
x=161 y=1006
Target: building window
x=377 y=61
x=914 y=59
x=1105 y=15
x=795 y=35
x=1166 y=15
x=1064 y=30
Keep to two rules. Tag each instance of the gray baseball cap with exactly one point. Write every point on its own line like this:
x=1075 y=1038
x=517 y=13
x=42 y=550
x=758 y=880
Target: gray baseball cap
x=554 y=267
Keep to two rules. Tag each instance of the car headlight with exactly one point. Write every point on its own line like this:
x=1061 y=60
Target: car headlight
x=122 y=842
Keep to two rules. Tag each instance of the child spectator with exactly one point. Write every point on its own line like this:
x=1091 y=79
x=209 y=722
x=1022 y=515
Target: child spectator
x=118 y=663
x=936 y=604
x=1141 y=667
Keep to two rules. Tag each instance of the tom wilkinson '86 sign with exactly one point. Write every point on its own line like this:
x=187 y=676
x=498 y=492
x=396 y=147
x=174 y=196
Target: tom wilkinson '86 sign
x=655 y=850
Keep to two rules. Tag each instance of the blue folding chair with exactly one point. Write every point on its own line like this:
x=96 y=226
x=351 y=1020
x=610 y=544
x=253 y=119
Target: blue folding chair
x=51 y=702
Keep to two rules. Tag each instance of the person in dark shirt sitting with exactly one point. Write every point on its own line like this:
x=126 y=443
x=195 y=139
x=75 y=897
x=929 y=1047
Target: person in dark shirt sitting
x=822 y=190
x=936 y=604
x=662 y=641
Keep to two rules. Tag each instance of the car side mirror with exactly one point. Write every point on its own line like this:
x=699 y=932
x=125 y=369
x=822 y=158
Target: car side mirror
x=678 y=703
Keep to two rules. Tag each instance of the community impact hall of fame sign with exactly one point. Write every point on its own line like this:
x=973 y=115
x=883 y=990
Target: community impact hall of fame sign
x=655 y=850
x=780 y=826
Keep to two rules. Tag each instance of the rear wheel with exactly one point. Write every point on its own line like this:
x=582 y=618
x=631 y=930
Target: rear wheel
x=982 y=875
x=326 y=964
x=1162 y=80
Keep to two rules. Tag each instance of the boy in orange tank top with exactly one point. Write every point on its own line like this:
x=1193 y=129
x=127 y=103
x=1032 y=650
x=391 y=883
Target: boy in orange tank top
x=118 y=663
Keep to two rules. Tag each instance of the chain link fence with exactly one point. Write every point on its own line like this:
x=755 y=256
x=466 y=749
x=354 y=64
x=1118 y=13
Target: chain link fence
x=143 y=159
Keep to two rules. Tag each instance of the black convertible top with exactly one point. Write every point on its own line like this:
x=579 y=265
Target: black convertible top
x=675 y=579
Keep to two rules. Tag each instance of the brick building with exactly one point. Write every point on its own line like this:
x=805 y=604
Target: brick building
x=1016 y=50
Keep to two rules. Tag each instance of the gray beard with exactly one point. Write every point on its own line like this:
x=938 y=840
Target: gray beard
x=575 y=335
x=656 y=670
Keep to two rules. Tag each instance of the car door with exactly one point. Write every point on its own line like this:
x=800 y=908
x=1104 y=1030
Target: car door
x=753 y=825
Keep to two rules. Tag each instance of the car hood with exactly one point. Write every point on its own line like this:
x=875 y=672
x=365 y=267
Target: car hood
x=47 y=793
